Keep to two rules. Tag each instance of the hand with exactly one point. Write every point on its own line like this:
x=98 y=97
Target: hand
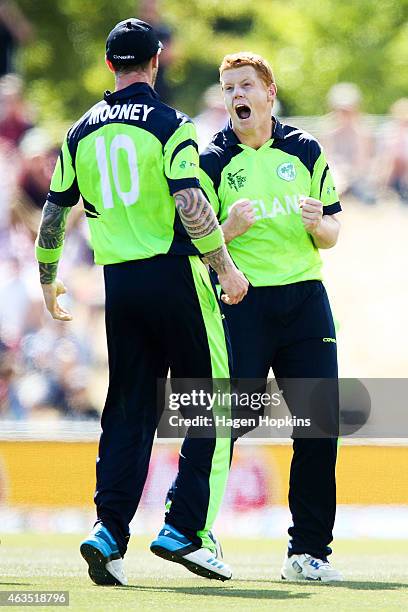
x=51 y=292
x=312 y=213
x=241 y=217
x=234 y=285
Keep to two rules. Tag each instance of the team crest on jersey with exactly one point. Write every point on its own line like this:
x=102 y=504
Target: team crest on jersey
x=236 y=180
x=287 y=172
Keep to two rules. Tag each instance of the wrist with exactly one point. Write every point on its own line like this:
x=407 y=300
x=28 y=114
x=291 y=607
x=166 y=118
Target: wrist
x=228 y=232
x=226 y=267
x=48 y=273
x=316 y=231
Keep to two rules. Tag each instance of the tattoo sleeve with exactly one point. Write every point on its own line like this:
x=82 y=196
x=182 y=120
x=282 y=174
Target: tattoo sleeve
x=51 y=236
x=199 y=220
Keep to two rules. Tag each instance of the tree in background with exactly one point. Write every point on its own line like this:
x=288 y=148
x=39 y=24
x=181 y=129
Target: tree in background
x=311 y=46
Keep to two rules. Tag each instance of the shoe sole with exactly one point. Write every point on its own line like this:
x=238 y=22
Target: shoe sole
x=199 y=570
x=96 y=566
x=331 y=580
x=301 y=579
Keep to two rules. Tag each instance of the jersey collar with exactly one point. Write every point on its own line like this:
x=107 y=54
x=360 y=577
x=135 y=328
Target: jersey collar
x=231 y=139
x=135 y=89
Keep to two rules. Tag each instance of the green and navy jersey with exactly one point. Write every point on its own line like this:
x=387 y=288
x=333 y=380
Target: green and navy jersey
x=126 y=157
x=276 y=250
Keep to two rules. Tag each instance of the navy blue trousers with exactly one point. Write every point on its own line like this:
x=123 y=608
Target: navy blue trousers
x=158 y=316
x=283 y=328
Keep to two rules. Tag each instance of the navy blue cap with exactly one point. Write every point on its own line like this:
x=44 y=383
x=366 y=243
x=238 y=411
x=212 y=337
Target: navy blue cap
x=132 y=41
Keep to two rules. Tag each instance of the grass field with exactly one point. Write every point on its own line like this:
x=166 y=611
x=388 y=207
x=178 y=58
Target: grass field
x=376 y=577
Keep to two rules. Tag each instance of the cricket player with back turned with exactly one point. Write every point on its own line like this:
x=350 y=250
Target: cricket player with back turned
x=134 y=162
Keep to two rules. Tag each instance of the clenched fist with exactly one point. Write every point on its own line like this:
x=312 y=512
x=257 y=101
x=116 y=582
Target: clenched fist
x=312 y=213
x=241 y=217
x=234 y=286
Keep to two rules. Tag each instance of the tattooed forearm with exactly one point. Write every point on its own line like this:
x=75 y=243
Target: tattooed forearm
x=219 y=260
x=48 y=272
x=195 y=213
x=199 y=220
x=51 y=236
x=52 y=228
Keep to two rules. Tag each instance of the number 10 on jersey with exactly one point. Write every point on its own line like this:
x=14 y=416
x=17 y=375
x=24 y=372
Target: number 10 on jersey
x=104 y=157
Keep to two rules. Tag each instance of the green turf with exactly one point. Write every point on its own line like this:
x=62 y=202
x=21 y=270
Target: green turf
x=375 y=571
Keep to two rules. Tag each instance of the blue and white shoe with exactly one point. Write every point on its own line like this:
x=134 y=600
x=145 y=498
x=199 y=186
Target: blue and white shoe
x=297 y=568
x=172 y=545
x=105 y=564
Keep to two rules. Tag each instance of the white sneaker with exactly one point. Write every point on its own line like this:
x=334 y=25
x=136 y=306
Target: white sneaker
x=172 y=545
x=306 y=567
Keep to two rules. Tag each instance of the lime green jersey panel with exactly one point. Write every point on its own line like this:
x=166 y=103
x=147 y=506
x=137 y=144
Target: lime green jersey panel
x=119 y=171
x=276 y=249
x=124 y=158
x=64 y=173
x=64 y=187
x=181 y=154
x=323 y=187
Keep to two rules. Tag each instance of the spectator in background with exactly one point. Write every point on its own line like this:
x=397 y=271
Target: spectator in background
x=349 y=144
x=37 y=164
x=71 y=394
x=15 y=30
x=14 y=302
x=393 y=166
x=148 y=11
x=10 y=404
x=15 y=121
x=14 y=115
x=212 y=118
x=56 y=369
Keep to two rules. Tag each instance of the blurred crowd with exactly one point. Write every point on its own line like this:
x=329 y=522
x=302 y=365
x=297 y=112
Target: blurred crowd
x=58 y=370
x=46 y=369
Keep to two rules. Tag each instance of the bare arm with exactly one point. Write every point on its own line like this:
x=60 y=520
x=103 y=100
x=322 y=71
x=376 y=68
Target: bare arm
x=327 y=233
x=324 y=229
x=51 y=236
x=199 y=220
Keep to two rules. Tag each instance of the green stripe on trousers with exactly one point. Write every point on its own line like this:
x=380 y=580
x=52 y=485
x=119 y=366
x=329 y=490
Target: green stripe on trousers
x=220 y=370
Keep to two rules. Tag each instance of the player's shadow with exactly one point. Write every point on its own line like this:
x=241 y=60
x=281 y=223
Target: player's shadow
x=346 y=584
x=221 y=592
x=368 y=586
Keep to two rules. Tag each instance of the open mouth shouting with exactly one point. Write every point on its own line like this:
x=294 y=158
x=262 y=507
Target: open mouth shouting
x=243 y=111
